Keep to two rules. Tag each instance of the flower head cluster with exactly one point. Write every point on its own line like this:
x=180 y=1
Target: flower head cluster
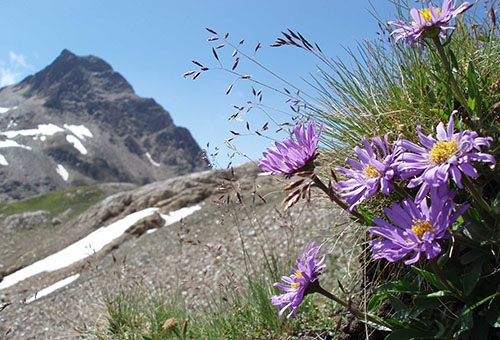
x=450 y=153
x=417 y=229
x=308 y=268
x=430 y=21
x=292 y=155
x=372 y=172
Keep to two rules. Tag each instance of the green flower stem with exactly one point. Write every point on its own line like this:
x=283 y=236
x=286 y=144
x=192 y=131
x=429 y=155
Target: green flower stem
x=462 y=239
x=401 y=191
x=478 y=197
x=446 y=63
x=335 y=198
x=316 y=288
x=441 y=278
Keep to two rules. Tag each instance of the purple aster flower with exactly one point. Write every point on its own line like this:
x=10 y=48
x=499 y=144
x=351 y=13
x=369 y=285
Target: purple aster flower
x=374 y=171
x=292 y=155
x=308 y=268
x=418 y=227
x=450 y=154
x=428 y=21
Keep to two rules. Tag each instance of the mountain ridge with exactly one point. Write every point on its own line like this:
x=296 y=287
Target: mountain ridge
x=79 y=122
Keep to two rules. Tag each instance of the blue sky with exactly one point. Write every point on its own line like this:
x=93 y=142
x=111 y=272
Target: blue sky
x=151 y=43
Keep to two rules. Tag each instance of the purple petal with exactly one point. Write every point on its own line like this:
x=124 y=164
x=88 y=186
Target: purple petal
x=440 y=132
x=468 y=169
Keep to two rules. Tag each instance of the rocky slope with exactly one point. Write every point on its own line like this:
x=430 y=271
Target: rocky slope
x=78 y=122
x=192 y=257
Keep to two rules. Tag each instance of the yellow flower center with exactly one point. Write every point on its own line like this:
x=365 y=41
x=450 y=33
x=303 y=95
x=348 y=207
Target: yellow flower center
x=298 y=274
x=442 y=151
x=371 y=172
x=419 y=227
x=426 y=14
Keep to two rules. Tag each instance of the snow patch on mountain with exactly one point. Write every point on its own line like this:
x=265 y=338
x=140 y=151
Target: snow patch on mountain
x=12 y=144
x=6 y=109
x=52 y=288
x=3 y=160
x=62 y=172
x=152 y=160
x=43 y=129
x=77 y=144
x=81 y=131
x=91 y=244
x=77 y=251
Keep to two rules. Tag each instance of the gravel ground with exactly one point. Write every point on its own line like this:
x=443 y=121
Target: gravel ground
x=192 y=257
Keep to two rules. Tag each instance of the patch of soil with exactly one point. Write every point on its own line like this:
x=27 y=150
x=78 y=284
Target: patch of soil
x=356 y=330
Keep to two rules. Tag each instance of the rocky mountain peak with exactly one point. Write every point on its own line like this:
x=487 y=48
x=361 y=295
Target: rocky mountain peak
x=74 y=75
x=79 y=122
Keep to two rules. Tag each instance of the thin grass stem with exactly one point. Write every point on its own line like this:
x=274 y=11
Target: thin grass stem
x=442 y=55
x=335 y=198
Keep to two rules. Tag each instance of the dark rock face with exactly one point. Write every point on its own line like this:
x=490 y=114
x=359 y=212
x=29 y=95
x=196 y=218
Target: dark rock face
x=78 y=122
x=70 y=76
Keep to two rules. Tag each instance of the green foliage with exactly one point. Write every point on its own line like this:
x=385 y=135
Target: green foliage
x=137 y=311
x=76 y=199
x=390 y=89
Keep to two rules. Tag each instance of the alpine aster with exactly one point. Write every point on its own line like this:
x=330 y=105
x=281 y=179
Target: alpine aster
x=428 y=22
x=448 y=154
x=292 y=155
x=374 y=171
x=308 y=268
x=416 y=228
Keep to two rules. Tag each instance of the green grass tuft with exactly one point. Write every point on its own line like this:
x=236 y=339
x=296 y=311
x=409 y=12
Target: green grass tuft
x=238 y=311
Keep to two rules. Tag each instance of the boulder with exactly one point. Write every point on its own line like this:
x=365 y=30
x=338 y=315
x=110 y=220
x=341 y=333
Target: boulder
x=27 y=220
x=150 y=222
